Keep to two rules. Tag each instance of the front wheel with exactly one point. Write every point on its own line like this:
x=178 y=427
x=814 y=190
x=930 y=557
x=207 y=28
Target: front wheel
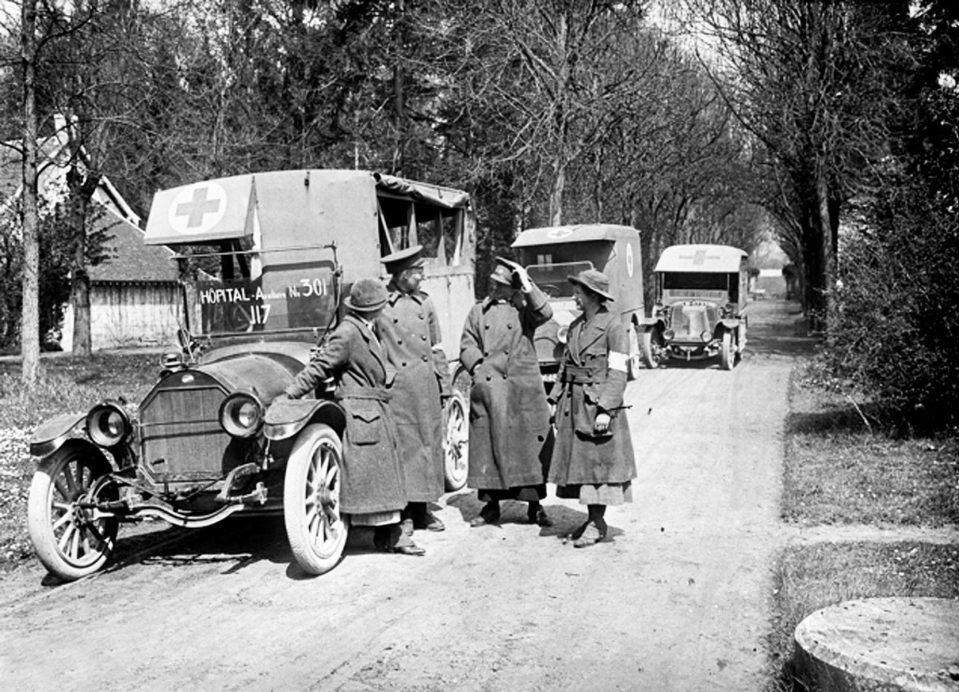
x=315 y=526
x=651 y=347
x=456 y=441
x=727 y=355
x=70 y=536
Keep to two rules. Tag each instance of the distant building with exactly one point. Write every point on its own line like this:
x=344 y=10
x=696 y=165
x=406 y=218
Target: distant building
x=134 y=298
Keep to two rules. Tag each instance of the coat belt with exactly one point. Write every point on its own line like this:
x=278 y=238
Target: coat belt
x=575 y=374
x=374 y=393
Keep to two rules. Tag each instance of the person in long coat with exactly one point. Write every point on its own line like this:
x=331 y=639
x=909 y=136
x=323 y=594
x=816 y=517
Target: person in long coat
x=409 y=330
x=509 y=416
x=372 y=490
x=592 y=457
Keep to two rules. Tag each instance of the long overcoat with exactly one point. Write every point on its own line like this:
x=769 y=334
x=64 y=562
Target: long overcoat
x=410 y=332
x=587 y=384
x=352 y=355
x=509 y=416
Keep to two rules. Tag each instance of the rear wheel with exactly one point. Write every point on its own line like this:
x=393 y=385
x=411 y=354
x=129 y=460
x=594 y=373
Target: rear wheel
x=727 y=354
x=456 y=440
x=72 y=538
x=315 y=526
x=635 y=354
x=651 y=348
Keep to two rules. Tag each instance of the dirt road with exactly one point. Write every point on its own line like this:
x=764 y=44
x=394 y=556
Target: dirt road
x=678 y=600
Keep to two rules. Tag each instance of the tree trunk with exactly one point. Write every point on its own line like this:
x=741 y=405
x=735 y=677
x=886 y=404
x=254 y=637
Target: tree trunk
x=560 y=156
x=80 y=299
x=399 y=95
x=30 y=316
x=812 y=264
x=556 y=193
x=827 y=248
x=81 y=186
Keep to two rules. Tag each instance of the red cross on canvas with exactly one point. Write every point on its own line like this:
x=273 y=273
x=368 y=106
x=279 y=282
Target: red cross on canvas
x=197 y=208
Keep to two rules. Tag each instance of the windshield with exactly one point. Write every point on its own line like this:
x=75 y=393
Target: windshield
x=553 y=279
x=703 y=281
x=281 y=299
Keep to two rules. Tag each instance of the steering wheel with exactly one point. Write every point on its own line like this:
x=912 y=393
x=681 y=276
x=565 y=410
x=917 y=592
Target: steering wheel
x=551 y=290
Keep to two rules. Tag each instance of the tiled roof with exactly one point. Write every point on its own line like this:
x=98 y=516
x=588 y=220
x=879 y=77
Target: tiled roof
x=130 y=261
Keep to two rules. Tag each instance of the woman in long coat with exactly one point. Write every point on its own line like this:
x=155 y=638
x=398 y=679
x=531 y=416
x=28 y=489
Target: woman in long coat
x=593 y=455
x=372 y=491
x=509 y=416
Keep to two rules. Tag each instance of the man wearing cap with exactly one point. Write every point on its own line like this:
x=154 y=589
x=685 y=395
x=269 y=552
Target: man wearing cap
x=372 y=485
x=410 y=331
x=509 y=416
x=593 y=455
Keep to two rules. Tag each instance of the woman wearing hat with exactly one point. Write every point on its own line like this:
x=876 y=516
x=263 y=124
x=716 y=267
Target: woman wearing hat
x=509 y=416
x=593 y=455
x=372 y=490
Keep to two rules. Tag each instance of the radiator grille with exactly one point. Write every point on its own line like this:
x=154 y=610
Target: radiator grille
x=690 y=321
x=181 y=435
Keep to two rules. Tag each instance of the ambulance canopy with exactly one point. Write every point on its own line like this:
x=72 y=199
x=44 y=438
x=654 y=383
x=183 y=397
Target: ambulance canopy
x=579 y=233
x=700 y=258
x=289 y=208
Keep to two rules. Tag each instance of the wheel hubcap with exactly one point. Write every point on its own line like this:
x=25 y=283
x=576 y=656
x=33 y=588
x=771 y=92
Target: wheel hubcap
x=325 y=497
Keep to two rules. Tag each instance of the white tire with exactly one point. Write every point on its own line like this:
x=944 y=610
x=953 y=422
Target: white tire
x=315 y=526
x=70 y=538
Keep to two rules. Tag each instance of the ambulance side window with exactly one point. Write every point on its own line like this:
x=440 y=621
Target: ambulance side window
x=397 y=224
x=453 y=232
x=428 y=228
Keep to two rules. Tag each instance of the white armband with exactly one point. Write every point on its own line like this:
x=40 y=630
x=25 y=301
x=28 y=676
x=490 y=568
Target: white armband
x=617 y=361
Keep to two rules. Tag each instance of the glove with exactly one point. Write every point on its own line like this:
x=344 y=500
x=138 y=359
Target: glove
x=524 y=281
x=601 y=424
x=519 y=274
x=282 y=396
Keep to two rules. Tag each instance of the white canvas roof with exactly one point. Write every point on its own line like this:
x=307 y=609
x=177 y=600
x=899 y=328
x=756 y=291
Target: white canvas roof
x=700 y=258
x=579 y=233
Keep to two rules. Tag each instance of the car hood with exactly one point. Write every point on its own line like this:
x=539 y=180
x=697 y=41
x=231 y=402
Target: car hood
x=263 y=369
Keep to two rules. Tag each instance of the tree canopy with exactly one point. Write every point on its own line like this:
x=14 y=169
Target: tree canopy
x=812 y=114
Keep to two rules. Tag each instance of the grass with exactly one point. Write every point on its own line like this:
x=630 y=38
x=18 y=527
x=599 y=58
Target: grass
x=74 y=384
x=842 y=469
x=838 y=471
x=68 y=384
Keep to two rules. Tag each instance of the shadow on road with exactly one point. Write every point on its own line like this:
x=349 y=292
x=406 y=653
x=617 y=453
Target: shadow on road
x=777 y=327
x=565 y=519
x=235 y=543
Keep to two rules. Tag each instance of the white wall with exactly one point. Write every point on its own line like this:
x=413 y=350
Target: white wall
x=125 y=315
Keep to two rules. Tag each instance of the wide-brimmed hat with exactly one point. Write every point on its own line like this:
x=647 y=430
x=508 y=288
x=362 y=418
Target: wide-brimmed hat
x=366 y=295
x=593 y=279
x=407 y=258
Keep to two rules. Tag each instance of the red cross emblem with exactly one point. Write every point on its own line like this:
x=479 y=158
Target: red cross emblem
x=197 y=208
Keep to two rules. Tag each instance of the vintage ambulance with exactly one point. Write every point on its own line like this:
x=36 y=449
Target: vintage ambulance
x=264 y=259
x=700 y=310
x=552 y=254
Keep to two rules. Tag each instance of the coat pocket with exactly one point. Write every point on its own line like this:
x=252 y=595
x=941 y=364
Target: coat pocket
x=365 y=423
x=586 y=415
